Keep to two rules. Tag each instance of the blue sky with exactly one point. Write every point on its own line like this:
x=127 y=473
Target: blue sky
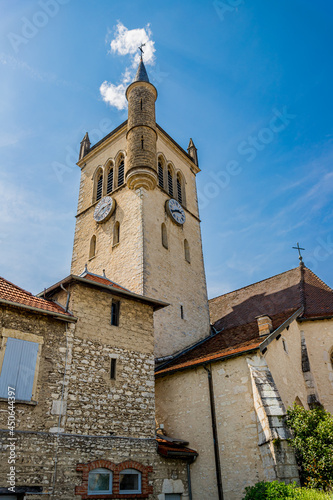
x=249 y=81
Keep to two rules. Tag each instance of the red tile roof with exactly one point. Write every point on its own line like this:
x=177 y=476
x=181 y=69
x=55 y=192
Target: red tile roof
x=174 y=450
x=103 y=280
x=13 y=293
x=233 y=315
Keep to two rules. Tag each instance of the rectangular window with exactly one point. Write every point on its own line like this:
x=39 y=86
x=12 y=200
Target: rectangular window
x=113 y=369
x=115 y=312
x=18 y=368
x=130 y=481
x=182 y=312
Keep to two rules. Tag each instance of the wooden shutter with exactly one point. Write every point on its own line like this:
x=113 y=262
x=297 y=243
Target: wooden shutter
x=18 y=369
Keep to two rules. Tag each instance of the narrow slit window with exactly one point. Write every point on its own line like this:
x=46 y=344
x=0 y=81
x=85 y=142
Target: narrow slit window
x=99 y=189
x=121 y=171
x=182 y=312
x=116 y=233
x=142 y=142
x=92 y=249
x=179 y=190
x=160 y=175
x=115 y=308
x=164 y=236
x=187 y=251
x=141 y=104
x=113 y=369
x=170 y=182
x=110 y=181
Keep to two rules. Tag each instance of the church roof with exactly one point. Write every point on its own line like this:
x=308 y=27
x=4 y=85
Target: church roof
x=141 y=74
x=233 y=315
x=11 y=294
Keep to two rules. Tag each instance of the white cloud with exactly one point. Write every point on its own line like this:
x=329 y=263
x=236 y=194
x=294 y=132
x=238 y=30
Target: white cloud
x=126 y=42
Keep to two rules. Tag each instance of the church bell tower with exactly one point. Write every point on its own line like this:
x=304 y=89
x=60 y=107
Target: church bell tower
x=138 y=219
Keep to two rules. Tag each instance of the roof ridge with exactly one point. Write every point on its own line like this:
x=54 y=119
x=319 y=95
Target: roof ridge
x=18 y=287
x=252 y=284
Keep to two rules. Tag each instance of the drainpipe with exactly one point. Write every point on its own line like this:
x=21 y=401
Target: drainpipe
x=215 y=437
x=189 y=481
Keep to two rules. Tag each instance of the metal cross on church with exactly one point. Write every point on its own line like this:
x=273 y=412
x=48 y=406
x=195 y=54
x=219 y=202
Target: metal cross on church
x=299 y=251
x=141 y=48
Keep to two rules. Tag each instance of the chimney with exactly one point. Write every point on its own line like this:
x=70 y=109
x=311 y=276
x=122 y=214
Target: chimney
x=264 y=324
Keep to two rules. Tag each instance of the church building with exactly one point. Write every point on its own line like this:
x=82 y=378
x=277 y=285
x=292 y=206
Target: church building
x=122 y=381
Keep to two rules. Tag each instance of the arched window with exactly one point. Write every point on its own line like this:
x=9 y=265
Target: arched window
x=179 y=190
x=116 y=233
x=170 y=182
x=160 y=175
x=121 y=171
x=129 y=481
x=100 y=482
x=99 y=189
x=164 y=236
x=92 y=249
x=109 y=186
x=187 y=251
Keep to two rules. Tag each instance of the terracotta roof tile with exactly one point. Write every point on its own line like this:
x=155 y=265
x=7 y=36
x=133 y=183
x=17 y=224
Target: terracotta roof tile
x=13 y=293
x=103 y=281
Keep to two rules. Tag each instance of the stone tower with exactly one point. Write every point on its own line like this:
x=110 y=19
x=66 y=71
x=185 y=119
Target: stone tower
x=138 y=219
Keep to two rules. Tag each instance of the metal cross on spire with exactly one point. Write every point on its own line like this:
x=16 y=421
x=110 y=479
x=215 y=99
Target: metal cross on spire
x=141 y=49
x=299 y=251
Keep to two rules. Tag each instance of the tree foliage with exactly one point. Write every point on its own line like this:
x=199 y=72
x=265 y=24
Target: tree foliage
x=313 y=443
x=275 y=491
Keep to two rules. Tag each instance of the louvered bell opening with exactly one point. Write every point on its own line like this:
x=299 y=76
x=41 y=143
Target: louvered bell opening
x=160 y=176
x=179 y=191
x=99 y=188
x=121 y=169
x=170 y=183
x=110 y=181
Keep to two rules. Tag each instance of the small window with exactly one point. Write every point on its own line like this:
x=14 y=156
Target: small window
x=170 y=182
x=115 y=312
x=187 y=251
x=179 y=190
x=164 y=236
x=99 y=190
x=18 y=368
x=121 y=171
x=116 y=233
x=100 y=482
x=92 y=249
x=141 y=104
x=285 y=347
x=160 y=175
x=142 y=142
x=130 y=481
x=109 y=187
x=113 y=369
x=182 y=312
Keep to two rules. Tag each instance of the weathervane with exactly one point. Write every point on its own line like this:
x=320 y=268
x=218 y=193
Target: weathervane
x=141 y=49
x=299 y=252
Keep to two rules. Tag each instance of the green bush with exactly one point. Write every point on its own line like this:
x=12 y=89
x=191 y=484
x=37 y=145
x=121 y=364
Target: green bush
x=276 y=490
x=313 y=443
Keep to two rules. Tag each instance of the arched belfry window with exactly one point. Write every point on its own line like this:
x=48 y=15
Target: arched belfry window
x=116 y=233
x=187 y=251
x=179 y=190
x=170 y=182
x=109 y=186
x=121 y=172
x=99 y=187
x=92 y=248
x=160 y=174
x=164 y=235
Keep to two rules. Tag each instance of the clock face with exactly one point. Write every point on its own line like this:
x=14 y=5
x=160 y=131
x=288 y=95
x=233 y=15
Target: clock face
x=175 y=211
x=104 y=209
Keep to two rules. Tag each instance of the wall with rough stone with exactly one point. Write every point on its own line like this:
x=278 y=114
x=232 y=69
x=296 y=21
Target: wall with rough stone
x=286 y=366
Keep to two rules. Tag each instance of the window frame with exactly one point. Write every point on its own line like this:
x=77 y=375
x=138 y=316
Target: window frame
x=115 y=315
x=101 y=492
x=131 y=472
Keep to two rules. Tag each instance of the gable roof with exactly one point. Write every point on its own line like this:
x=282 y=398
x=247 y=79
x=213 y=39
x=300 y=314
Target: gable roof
x=104 y=284
x=233 y=315
x=13 y=295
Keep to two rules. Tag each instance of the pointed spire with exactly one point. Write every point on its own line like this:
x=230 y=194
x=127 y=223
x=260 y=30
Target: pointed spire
x=85 y=146
x=192 y=151
x=141 y=74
